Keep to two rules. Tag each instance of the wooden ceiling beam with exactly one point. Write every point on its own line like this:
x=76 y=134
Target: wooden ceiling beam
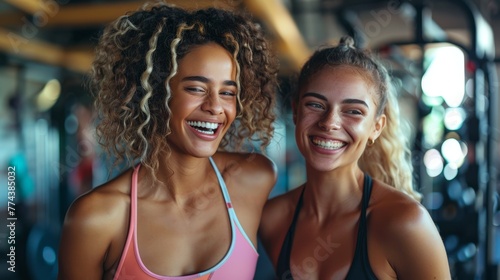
x=91 y=14
x=281 y=23
x=273 y=13
x=103 y=13
x=11 y=19
x=76 y=60
x=50 y=13
x=28 y=6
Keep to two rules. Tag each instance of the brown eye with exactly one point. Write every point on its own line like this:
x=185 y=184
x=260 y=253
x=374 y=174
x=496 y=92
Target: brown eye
x=195 y=89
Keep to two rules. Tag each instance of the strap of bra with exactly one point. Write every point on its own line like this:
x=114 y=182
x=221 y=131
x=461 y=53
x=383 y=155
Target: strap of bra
x=283 y=265
x=132 y=221
x=367 y=190
x=361 y=243
x=360 y=266
x=133 y=195
x=222 y=185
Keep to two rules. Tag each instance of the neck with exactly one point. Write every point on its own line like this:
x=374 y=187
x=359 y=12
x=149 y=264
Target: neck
x=333 y=193
x=183 y=178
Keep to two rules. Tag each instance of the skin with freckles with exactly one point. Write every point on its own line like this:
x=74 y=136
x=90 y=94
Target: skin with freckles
x=333 y=117
x=337 y=118
x=171 y=120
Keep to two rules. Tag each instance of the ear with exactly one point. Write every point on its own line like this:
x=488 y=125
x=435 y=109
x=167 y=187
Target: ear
x=379 y=126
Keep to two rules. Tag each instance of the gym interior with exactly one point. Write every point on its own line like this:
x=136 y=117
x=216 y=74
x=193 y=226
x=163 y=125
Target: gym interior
x=443 y=55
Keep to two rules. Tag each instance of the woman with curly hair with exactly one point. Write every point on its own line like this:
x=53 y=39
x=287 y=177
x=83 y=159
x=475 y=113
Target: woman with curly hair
x=176 y=90
x=357 y=216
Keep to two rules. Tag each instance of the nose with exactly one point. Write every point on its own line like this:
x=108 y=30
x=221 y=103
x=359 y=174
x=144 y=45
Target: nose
x=330 y=121
x=212 y=104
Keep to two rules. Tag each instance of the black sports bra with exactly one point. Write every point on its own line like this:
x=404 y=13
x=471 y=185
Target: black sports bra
x=360 y=266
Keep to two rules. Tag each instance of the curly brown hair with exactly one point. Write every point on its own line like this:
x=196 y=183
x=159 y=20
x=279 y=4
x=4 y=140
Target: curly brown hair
x=138 y=54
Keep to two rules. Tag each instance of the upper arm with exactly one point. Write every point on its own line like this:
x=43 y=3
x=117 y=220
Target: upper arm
x=273 y=226
x=416 y=250
x=86 y=236
x=266 y=229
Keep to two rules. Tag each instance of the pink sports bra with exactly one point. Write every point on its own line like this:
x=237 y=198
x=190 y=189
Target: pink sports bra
x=238 y=263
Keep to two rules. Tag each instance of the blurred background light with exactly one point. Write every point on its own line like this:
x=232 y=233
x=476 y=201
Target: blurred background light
x=433 y=128
x=467 y=252
x=468 y=196
x=48 y=95
x=433 y=200
x=453 y=152
x=450 y=171
x=454 y=118
x=433 y=163
x=445 y=75
x=432 y=101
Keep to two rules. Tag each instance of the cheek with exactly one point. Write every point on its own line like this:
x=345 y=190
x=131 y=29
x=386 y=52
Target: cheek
x=307 y=118
x=181 y=105
x=358 y=128
x=230 y=108
x=303 y=127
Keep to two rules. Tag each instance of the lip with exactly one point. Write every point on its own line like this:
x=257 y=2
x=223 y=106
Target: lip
x=205 y=123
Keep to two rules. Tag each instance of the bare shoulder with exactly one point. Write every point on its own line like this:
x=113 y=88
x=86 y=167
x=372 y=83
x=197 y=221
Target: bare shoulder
x=249 y=162
x=252 y=171
x=406 y=232
x=395 y=207
x=101 y=204
x=276 y=218
x=94 y=229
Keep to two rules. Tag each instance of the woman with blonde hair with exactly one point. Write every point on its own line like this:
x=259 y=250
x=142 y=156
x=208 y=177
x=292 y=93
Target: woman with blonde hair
x=357 y=216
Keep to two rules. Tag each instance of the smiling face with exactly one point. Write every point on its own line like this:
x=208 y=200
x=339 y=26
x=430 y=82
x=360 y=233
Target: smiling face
x=203 y=100
x=335 y=116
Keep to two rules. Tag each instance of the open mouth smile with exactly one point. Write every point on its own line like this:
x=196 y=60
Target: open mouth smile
x=327 y=144
x=208 y=128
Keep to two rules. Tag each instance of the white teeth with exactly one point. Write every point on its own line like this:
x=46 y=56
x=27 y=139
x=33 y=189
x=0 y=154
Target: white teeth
x=204 y=127
x=209 y=132
x=330 y=145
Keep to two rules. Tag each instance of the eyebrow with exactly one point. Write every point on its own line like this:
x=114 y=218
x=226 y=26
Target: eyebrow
x=207 y=80
x=345 y=101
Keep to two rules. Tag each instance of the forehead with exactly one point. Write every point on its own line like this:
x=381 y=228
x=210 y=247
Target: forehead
x=339 y=80
x=206 y=58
